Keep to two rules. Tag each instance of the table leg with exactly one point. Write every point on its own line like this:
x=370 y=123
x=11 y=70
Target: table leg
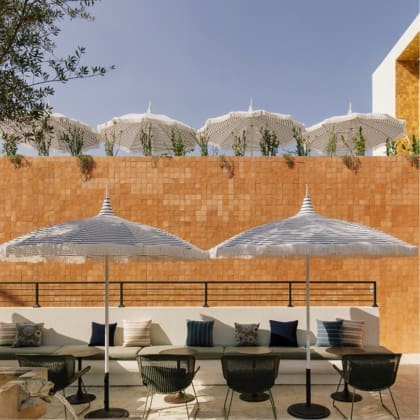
x=80 y=397
x=345 y=395
x=179 y=398
x=256 y=397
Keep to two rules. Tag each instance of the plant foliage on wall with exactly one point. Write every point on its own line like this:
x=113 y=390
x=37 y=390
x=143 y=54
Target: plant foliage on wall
x=227 y=164
x=86 y=164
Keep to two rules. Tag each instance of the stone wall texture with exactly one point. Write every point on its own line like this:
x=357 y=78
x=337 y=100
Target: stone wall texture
x=207 y=200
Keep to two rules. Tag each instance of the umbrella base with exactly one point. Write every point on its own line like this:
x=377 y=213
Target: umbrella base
x=112 y=413
x=308 y=411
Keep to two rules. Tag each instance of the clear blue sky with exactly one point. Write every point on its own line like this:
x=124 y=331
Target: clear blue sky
x=196 y=59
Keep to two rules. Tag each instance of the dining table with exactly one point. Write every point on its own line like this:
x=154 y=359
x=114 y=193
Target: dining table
x=80 y=353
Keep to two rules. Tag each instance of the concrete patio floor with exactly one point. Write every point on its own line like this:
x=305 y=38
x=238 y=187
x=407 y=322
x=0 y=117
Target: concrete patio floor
x=406 y=393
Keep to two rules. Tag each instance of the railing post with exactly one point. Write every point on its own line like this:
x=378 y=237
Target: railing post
x=206 y=304
x=36 y=304
x=290 y=305
x=375 y=304
x=121 y=305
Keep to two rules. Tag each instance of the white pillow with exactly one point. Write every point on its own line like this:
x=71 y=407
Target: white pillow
x=136 y=333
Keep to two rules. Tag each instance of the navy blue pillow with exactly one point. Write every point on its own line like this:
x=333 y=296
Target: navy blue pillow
x=200 y=333
x=98 y=334
x=283 y=333
x=329 y=333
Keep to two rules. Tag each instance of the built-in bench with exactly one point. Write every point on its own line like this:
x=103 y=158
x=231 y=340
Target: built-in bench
x=67 y=329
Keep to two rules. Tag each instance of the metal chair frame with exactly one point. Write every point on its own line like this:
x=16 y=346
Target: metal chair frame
x=251 y=379
x=61 y=371
x=369 y=363
x=167 y=374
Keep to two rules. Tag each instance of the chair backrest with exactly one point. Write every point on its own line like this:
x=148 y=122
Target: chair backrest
x=166 y=373
x=61 y=368
x=250 y=373
x=370 y=371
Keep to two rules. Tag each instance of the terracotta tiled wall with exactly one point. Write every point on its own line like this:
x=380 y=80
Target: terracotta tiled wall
x=206 y=200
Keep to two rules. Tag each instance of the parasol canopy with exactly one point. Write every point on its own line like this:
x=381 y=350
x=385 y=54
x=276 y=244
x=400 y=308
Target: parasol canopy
x=376 y=128
x=128 y=129
x=222 y=130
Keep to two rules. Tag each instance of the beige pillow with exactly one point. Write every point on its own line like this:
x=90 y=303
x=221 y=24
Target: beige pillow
x=352 y=333
x=136 y=333
x=7 y=333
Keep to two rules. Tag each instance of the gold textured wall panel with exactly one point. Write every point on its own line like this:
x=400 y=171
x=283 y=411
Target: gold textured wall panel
x=408 y=87
x=199 y=200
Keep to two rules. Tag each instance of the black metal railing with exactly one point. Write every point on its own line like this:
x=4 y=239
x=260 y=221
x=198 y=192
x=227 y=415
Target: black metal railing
x=188 y=293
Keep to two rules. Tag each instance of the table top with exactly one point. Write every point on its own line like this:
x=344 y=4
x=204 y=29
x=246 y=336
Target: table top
x=79 y=351
x=180 y=351
x=252 y=350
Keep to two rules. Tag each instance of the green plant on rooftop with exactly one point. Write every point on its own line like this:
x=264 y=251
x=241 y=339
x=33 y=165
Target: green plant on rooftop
x=332 y=144
x=146 y=141
x=40 y=136
x=73 y=140
x=359 y=142
x=302 y=142
x=239 y=144
x=203 y=143
x=179 y=147
x=414 y=151
x=10 y=149
x=390 y=147
x=29 y=62
x=269 y=144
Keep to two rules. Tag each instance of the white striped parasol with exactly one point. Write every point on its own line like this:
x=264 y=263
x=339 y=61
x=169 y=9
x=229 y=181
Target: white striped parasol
x=60 y=124
x=376 y=128
x=107 y=237
x=222 y=130
x=127 y=131
x=310 y=234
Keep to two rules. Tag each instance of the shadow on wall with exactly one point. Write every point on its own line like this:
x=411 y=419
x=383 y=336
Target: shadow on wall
x=371 y=325
x=48 y=334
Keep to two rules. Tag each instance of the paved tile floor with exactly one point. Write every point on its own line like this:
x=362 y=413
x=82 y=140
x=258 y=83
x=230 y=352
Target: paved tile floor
x=406 y=393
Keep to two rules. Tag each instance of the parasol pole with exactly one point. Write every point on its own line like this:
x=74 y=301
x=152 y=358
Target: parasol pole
x=107 y=412
x=307 y=410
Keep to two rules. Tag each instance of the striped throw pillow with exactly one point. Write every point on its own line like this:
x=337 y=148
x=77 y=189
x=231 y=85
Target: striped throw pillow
x=136 y=333
x=7 y=333
x=200 y=333
x=329 y=333
x=352 y=333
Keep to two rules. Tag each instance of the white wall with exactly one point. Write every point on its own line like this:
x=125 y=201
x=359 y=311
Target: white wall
x=383 y=78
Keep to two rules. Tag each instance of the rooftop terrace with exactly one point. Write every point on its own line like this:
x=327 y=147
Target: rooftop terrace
x=211 y=399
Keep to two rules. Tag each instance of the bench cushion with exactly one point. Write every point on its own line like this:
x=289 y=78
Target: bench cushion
x=8 y=353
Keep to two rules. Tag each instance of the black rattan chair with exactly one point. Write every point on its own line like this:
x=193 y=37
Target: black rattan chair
x=251 y=375
x=167 y=374
x=61 y=370
x=370 y=372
